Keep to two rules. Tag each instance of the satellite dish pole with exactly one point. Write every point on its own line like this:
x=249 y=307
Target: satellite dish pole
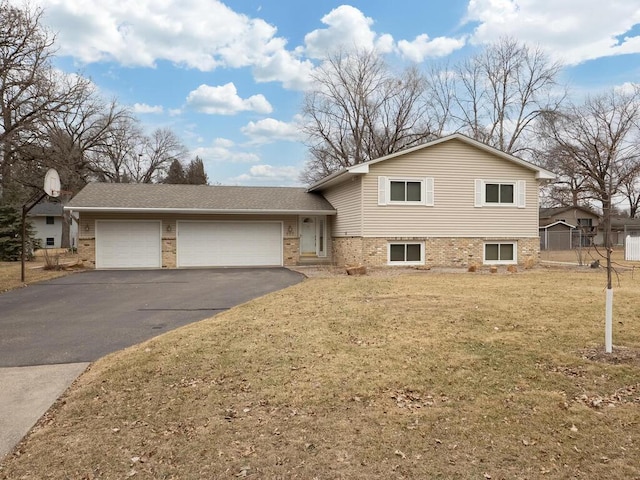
x=52 y=189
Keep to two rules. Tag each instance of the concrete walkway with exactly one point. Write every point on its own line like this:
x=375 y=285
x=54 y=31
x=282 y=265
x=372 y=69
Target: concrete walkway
x=26 y=393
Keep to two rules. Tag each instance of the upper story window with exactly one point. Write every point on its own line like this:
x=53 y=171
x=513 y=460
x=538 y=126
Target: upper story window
x=500 y=193
x=585 y=222
x=405 y=191
x=50 y=220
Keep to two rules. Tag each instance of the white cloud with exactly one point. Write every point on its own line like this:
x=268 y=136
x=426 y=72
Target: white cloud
x=285 y=67
x=223 y=142
x=347 y=28
x=270 y=130
x=224 y=100
x=627 y=88
x=222 y=151
x=144 y=108
x=269 y=175
x=571 y=30
x=422 y=47
x=199 y=34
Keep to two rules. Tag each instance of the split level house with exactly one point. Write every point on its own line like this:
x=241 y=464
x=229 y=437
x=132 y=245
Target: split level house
x=450 y=202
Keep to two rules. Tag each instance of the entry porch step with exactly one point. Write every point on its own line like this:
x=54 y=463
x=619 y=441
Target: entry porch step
x=313 y=260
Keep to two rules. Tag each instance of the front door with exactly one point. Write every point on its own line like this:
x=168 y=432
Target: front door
x=308 y=236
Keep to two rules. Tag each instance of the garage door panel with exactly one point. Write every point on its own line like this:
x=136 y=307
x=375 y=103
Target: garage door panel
x=128 y=244
x=229 y=244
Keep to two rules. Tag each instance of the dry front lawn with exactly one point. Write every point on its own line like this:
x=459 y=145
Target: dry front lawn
x=430 y=375
x=35 y=271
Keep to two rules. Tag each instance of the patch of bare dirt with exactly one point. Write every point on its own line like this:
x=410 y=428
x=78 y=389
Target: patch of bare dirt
x=619 y=355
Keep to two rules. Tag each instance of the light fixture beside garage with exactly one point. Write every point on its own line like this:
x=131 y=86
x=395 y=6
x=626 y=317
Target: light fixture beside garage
x=290 y=230
x=168 y=228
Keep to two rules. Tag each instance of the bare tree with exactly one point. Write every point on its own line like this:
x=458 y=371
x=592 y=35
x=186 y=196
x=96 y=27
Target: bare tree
x=80 y=134
x=598 y=141
x=630 y=189
x=30 y=92
x=158 y=151
x=497 y=95
x=359 y=110
x=120 y=154
x=602 y=138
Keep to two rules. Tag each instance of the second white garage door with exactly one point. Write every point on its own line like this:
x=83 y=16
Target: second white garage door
x=229 y=244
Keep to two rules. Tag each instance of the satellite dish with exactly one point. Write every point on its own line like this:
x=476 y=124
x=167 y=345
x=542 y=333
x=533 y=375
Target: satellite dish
x=52 y=183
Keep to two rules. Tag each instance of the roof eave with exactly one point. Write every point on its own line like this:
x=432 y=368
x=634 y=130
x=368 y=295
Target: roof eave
x=196 y=211
x=337 y=177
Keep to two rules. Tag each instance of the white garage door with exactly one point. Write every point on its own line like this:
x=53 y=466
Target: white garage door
x=229 y=244
x=128 y=244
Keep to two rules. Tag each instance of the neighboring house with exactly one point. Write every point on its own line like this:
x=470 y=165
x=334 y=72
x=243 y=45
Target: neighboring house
x=48 y=222
x=452 y=201
x=620 y=228
x=584 y=222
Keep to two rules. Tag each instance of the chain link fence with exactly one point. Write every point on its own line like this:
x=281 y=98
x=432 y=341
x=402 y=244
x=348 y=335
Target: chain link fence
x=574 y=246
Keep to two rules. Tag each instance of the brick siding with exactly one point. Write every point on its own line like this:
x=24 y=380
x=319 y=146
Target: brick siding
x=291 y=251
x=439 y=252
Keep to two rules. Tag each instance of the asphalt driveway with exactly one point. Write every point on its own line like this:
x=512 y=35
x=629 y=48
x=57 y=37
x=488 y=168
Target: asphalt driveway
x=82 y=317
x=50 y=331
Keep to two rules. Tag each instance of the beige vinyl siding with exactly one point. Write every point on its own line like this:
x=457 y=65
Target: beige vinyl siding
x=346 y=198
x=454 y=166
x=87 y=221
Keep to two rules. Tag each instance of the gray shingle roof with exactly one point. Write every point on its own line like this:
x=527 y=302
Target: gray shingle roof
x=46 y=209
x=187 y=198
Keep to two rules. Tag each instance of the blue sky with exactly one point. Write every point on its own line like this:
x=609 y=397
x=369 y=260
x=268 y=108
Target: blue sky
x=229 y=77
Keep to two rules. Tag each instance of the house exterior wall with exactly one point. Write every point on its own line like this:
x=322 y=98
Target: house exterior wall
x=87 y=226
x=44 y=231
x=454 y=166
x=346 y=198
x=453 y=230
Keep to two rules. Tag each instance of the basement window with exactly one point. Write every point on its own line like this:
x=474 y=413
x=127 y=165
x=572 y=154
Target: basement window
x=406 y=253
x=500 y=253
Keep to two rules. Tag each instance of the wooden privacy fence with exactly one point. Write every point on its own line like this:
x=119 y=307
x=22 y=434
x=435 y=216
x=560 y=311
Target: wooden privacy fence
x=632 y=248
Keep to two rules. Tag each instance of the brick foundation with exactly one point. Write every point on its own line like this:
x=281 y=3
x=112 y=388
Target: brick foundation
x=347 y=250
x=439 y=252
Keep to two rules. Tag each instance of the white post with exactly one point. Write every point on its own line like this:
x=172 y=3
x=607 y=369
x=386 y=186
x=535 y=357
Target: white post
x=608 y=325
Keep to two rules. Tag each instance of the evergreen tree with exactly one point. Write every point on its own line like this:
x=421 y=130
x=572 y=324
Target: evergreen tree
x=195 y=173
x=10 y=234
x=176 y=174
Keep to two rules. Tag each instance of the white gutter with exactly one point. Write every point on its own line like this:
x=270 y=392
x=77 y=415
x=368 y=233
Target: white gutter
x=200 y=211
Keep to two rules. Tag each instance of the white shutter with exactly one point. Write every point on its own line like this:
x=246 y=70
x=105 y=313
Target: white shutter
x=428 y=191
x=382 y=190
x=478 y=193
x=522 y=193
